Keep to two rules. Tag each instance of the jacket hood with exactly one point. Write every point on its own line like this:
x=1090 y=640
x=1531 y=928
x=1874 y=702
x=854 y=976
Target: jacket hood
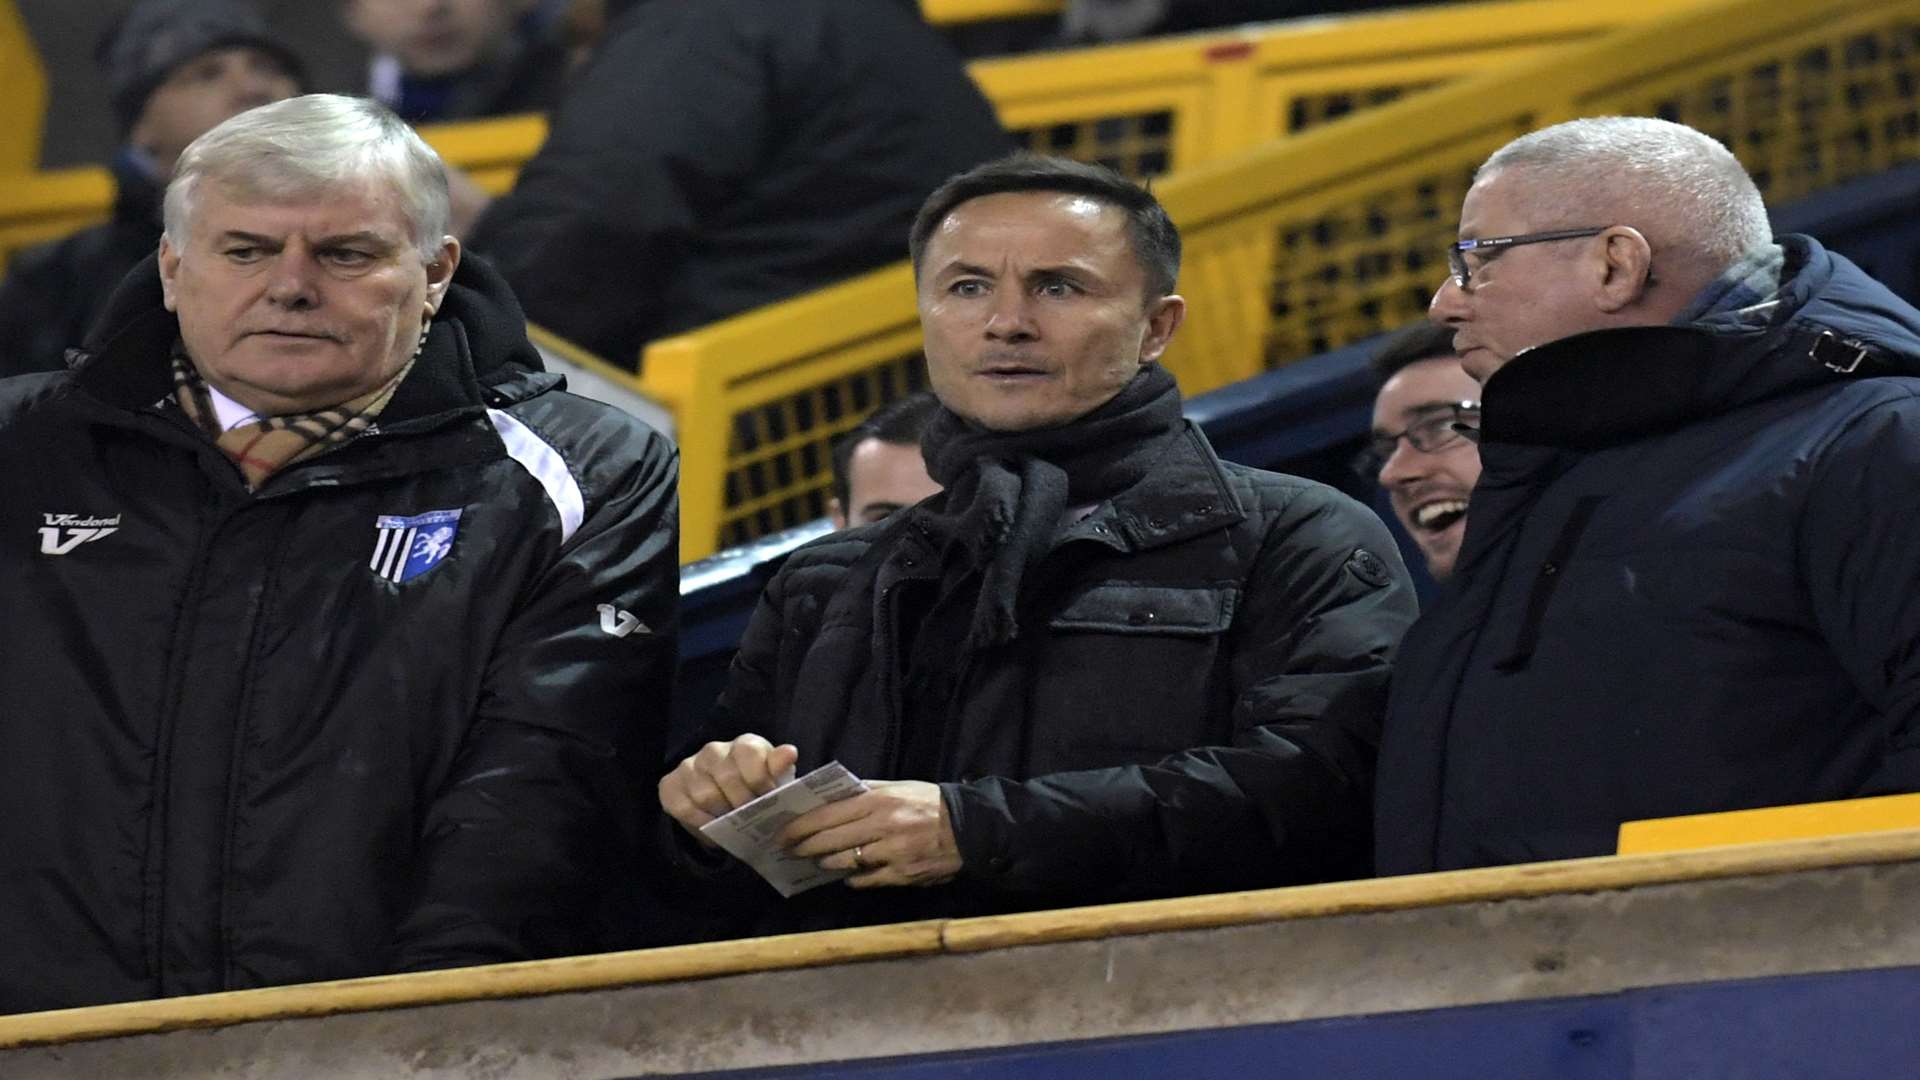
x=1610 y=386
x=477 y=348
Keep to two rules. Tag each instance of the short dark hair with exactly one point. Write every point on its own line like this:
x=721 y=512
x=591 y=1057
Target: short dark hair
x=900 y=423
x=1155 y=240
x=1408 y=346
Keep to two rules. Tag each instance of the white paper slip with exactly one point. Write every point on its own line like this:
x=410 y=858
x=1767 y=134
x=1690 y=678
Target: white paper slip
x=748 y=833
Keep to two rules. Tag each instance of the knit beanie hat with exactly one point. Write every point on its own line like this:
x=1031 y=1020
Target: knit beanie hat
x=142 y=49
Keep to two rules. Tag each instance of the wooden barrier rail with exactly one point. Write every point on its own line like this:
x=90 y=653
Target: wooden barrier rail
x=1306 y=910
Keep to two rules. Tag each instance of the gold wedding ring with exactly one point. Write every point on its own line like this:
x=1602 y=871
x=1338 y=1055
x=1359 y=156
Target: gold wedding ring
x=859 y=863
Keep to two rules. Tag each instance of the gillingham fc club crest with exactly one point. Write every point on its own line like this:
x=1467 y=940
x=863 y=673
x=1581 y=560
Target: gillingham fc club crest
x=407 y=547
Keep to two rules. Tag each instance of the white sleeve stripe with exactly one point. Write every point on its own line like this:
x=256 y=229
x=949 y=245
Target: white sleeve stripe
x=539 y=458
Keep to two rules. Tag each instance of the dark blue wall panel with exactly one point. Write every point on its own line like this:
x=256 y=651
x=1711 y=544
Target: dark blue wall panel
x=1843 y=1026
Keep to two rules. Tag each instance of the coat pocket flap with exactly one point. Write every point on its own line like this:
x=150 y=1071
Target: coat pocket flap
x=1122 y=608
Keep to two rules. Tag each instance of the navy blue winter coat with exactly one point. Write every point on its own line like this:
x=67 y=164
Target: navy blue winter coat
x=1690 y=582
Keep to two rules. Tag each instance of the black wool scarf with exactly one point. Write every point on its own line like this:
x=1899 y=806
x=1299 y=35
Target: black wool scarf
x=1007 y=491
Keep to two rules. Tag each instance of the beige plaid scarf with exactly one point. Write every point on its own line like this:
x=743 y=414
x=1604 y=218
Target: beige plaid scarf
x=264 y=446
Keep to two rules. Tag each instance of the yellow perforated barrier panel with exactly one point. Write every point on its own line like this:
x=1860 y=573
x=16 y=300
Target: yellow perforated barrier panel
x=1145 y=108
x=1321 y=234
x=1335 y=233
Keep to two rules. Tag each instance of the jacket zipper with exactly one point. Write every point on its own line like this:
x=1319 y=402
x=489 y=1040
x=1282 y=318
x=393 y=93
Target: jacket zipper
x=1545 y=582
x=185 y=625
x=890 y=672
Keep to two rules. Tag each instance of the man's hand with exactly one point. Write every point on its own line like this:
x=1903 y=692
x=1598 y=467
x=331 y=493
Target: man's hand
x=895 y=834
x=722 y=776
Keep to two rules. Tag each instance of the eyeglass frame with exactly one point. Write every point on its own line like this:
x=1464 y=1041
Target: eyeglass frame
x=1370 y=460
x=1457 y=251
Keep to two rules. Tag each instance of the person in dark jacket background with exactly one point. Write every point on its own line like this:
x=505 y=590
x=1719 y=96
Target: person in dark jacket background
x=718 y=155
x=1688 y=576
x=878 y=468
x=437 y=61
x=1102 y=665
x=337 y=635
x=174 y=69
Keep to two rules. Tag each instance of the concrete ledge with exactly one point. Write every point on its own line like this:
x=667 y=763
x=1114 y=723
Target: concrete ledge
x=1511 y=934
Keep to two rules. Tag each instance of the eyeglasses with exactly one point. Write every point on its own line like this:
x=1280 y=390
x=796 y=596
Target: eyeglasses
x=1457 y=251
x=1451 y=422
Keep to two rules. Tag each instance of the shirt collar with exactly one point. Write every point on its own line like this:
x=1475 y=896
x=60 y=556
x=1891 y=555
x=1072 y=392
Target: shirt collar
x=230 y=412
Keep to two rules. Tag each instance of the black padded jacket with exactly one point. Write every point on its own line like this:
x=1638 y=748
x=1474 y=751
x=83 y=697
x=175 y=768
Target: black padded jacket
x=242 y=743
x=1191 y=705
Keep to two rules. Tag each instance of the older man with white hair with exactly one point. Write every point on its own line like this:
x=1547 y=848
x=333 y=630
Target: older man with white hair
x=333 y=624
x=1687 y=582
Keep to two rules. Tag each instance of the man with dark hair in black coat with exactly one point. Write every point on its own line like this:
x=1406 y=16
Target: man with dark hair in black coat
x=1102 y=665
x=718 y=155
x=1688 y=579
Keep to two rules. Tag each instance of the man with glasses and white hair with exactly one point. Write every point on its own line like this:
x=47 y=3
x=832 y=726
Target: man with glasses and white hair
x=1687 y=582
x=333 y=624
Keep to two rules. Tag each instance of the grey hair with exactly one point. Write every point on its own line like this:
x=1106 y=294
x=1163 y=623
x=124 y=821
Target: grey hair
x=1693 y=183
x=305 y=146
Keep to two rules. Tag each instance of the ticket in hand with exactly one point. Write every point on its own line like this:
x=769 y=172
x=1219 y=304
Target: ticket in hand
x=749 y=833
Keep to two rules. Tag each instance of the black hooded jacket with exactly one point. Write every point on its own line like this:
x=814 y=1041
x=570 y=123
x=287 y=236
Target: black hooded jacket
x=718 y=155
x=239 y=747
x=1688 y=584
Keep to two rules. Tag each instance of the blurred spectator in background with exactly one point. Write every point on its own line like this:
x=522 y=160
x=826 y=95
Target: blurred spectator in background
x=717 y=155
x=174 y=69
x=1093 y=21
x=878 y=468
x=441 y=60
x=578 y=27
x=1426 y=418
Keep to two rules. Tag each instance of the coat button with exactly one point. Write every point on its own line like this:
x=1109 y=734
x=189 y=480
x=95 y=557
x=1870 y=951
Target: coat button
x=1204 y=508
x=909 y=563
x=1549 y=569
x=999 y=864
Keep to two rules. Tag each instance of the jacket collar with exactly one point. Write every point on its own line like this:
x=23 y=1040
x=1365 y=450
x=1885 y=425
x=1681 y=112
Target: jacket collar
x=1608 y=387
x=1185 y=494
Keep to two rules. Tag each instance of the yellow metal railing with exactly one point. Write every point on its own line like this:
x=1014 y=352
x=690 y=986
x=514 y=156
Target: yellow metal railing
x=785 y=381
x=1315 y=241
x=23 y=93
x=1301 y=245
x=1146 y=108
x=954 y=12
x=1172 y=103
x=781 y=392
